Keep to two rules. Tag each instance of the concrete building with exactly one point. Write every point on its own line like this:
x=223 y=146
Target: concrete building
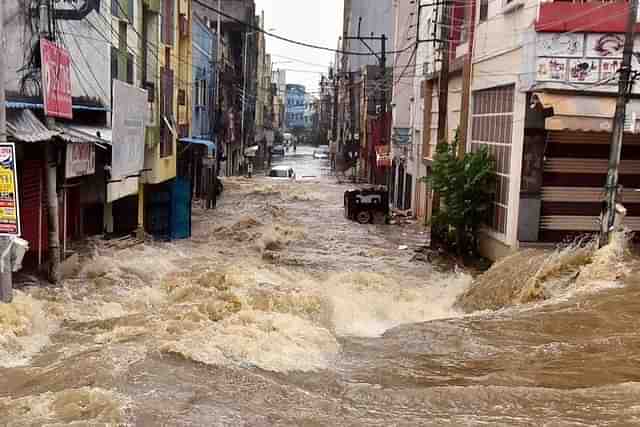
x=136 y=46
x=295 y=106
x=369 y=18
x=238 y=64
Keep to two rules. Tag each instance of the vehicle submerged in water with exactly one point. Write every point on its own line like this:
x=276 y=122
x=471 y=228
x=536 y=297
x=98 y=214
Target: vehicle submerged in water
x=367 y=205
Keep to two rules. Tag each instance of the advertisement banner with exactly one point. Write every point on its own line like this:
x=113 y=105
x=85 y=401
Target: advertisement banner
x=129 y=111
x=9 y=207
x=80 y=160
x=56 y=80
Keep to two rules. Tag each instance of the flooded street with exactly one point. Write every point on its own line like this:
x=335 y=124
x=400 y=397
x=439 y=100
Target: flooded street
x=279 y=311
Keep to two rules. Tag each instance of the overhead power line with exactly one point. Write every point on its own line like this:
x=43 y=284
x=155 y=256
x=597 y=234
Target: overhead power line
x=288 y=40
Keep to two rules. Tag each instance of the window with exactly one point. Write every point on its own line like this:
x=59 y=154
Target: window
x=166 y=112
x=121 y=7
x=167 y=21
x=492 y=125
x=484 y=10
x=201 y=92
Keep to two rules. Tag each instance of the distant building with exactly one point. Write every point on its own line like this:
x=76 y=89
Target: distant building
x=310 y=112
x=295 y=106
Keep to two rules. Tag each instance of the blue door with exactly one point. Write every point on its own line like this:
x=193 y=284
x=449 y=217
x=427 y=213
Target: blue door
x=180 y=208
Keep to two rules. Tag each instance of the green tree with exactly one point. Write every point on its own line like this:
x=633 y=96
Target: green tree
x=466 y=188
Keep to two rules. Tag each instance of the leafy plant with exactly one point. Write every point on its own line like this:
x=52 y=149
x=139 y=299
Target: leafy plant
x=466 y=187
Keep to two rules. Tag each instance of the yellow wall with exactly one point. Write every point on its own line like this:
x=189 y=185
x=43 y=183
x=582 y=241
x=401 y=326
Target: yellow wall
x=163 y=169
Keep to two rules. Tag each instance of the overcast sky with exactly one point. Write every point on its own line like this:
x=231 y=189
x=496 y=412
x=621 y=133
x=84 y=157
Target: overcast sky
x=317 y=22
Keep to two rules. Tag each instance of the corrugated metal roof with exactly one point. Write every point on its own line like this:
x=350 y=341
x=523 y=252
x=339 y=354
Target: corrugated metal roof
x=24 y=126
x=85 y=134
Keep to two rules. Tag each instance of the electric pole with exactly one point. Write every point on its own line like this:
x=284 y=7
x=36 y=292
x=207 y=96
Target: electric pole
x=382 y=62
x=443 y=77
x=46 y=15
x=6 y=283
x=625 y=85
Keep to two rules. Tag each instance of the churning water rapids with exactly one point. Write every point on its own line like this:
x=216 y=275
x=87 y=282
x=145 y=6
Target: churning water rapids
x=281 y=312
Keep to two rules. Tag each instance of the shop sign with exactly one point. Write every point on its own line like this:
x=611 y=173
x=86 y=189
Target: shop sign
x=9 y=206
x=128 y=130
x=80 y=160
x=56 y=79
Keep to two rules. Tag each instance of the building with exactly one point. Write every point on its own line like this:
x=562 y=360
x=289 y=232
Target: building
x=196 y=160
x=370 y=19
x=541 y=102
x=295 y=106
x=310 y=112
x=237 y=84
x=264 y=100
x=114 y=149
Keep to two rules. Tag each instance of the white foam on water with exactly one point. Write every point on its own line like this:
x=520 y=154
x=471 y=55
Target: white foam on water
x=271 y=341
x=24 y=329
x=73 y=407
x=368 y=304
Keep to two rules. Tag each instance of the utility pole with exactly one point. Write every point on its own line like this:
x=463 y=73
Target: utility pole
x=625 y=85
x=443 y=77
x=51 y=161
x=244 y=92
x=218 y=95
x=382 y=62
x=6 y=279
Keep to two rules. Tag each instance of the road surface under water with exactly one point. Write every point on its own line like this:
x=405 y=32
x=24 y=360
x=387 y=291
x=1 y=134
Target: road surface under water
x=280 y=312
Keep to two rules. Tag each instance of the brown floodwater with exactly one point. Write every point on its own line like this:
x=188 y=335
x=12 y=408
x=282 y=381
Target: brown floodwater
x=281 y=312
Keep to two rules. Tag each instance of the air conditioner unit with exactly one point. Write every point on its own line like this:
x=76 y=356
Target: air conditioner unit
x=426 y=69
x=630 y=121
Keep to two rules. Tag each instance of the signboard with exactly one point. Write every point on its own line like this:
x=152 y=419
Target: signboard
x=584 y=70
x=554 y=69
x=560 y=44
x=9 y=207
x=402 y=135
x=56 y=80
x=75 y=10
x=129 y=111
x=605 y=45
x=80 y=160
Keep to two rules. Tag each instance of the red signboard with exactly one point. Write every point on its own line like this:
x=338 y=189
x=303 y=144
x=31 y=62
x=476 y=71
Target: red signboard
x=56 y=79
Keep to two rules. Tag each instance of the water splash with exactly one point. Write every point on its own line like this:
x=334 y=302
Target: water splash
x=368 y=304
x=24 y=329
x=271 y=341
x=83 y=406
x=543 y=275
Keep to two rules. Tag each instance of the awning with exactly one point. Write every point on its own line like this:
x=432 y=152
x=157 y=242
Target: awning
x=81 y=134
x=211 y=146
x=579 y=113
x=24 y=126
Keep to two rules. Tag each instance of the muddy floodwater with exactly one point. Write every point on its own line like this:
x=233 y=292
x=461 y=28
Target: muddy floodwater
x=280 y=312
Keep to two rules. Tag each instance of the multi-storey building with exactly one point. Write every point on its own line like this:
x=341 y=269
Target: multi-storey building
x=295 y=101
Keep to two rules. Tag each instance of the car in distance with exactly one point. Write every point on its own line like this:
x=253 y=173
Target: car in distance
x=277 y=150
x=322 y=152
x=282 y=172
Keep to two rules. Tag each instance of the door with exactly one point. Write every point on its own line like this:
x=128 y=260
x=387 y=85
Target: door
x=181 y=209
x=408 y=191
x=400 y=189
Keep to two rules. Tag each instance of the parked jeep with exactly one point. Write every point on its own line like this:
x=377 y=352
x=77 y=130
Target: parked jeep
x=365 y=205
